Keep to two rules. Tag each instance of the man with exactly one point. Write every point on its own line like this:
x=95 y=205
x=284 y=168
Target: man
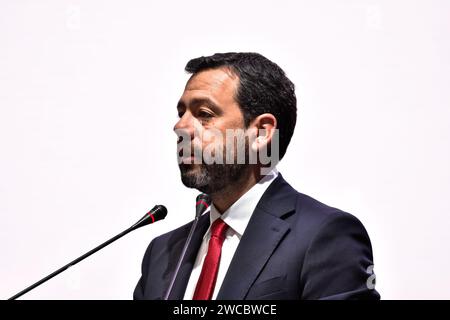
x=261 y=238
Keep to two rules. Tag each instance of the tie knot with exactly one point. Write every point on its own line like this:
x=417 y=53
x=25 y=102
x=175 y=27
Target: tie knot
x=218 y=229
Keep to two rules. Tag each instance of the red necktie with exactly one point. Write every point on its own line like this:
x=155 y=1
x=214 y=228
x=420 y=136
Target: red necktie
x=207 y=280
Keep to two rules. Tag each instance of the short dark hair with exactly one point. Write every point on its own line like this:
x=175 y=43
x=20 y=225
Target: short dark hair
x=263 y=88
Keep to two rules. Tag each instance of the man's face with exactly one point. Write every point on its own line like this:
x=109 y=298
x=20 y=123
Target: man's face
x=208 y=104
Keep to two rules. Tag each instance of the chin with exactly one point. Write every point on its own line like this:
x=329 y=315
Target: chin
x=190 y=175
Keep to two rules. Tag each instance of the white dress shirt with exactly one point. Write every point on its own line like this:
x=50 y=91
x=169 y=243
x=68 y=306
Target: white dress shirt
x=237 y=218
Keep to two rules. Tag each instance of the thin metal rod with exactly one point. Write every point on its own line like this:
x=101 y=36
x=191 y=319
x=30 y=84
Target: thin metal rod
x=70 y=264
x=183 y=253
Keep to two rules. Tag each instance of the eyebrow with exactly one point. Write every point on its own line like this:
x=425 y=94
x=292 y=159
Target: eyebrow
x=195 y=102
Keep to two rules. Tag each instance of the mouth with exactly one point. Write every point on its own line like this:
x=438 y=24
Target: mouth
x=190 y=157
x=190 y=160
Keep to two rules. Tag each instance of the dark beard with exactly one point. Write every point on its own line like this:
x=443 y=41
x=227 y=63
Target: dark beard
x=216 y=177
x=212 y=178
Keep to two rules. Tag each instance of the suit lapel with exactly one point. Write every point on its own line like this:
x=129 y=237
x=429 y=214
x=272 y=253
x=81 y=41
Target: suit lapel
x=253 y=251
x=265 y=230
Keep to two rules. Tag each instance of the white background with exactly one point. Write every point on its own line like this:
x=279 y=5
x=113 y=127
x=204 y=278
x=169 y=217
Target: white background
x=88 y=93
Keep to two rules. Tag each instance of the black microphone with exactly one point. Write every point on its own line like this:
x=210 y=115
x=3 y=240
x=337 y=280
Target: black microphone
x=158 y=212
x=203 y=201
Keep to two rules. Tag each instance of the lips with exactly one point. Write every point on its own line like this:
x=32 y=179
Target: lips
x=189 y=159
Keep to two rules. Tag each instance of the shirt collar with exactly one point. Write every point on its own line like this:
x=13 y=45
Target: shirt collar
x=240 y=212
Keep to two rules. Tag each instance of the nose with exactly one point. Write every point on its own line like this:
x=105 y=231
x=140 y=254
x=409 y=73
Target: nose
x=185 y=125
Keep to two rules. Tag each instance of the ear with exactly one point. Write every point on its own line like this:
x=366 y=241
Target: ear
x=262 y=128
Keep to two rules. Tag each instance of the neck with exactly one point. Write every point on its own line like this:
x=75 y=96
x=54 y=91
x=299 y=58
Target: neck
x=225 y=198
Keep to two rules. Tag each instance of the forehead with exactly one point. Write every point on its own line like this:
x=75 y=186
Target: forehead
x=217 y=84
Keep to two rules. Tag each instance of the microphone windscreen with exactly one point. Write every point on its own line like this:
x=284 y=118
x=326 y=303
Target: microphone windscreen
x=203 y=202
x=159 y=212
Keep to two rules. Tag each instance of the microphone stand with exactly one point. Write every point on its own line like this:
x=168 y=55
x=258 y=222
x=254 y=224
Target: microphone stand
x=183 y=253
x=67 y=266
x=157 y=213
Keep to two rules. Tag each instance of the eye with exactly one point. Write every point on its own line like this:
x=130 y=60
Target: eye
x=204 y=114
x=180 y=114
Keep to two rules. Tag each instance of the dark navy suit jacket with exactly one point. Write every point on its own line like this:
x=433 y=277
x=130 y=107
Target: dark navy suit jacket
x=294 y=247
